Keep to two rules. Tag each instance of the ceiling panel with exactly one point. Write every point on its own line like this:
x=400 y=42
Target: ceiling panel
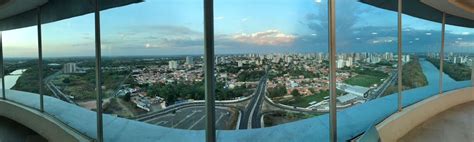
x=13 y=7
x=452 y=7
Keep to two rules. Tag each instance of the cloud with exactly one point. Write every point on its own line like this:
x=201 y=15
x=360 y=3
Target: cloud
x=269 y=37
x=219 y=18
x=169 y=39
x=379 y=40
x=464 y=44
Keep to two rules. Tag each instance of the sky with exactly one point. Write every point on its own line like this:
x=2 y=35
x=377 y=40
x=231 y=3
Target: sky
x=175 y=27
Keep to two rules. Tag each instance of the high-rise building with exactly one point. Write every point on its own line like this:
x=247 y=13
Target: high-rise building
x=340 y=63
x=349 y=62
x=405 y=58
x=70 y=68
x=173 y=64
x=289 y=59
x=189 y=60
x=239 y=63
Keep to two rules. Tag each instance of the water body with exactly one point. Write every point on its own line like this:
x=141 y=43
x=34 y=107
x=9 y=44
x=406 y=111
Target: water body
x=10 y=80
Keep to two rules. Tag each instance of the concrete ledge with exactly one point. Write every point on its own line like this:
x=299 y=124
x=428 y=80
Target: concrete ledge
x=48 y=127
x=399 y=124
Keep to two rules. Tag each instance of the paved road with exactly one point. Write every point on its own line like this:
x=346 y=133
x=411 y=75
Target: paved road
x=393 y=78
x=256 y=112
x=251 y=114
x=58 y=93
x=194 y=118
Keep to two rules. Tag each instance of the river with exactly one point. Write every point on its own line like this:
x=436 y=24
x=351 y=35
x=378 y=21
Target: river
x=10 y=80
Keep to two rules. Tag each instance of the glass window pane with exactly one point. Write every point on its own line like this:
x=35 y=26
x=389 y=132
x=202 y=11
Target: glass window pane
x=68 y=56
x=420 y=75
x=366 y=62
x=272 y=67
x=458 y=57
x=20 y=48
x=152 y=67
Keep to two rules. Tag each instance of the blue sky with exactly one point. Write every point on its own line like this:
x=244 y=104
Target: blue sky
x=175 y=27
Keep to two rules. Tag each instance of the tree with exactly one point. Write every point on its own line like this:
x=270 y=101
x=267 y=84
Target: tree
x=67 y=80
x=295 y=93
x=277 y=91
x=127 y=97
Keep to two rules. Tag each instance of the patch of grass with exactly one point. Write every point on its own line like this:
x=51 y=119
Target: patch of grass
x=364 y=80
x=303 y=101
x=82 y=86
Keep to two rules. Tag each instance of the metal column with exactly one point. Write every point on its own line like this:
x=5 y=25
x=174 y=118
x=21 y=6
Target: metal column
x=2 y=67
x=332 y=71
x=98 y=73
x=40 y=60
x=472 y=73
x=400 y=64
x=441 y=55
x=209 y=70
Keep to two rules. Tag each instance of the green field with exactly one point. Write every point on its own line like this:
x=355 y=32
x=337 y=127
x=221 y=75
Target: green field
x=303 y=101
x=82 y=86
x=364 y=80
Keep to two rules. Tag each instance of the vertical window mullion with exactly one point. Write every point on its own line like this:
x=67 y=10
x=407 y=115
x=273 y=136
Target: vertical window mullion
x=40 y=60
x=209 y=70
x=400 y=54
x=98 y=73
x=332 y=71
x=441 y=55
x=2 y=67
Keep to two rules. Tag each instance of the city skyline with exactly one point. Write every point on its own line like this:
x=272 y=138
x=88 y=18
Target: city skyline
x=163 y=28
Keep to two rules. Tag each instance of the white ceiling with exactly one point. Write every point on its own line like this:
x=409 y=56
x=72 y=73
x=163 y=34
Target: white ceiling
x=13 y=7
x=452 y=7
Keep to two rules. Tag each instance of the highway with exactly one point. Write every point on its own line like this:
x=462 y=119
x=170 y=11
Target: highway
x=255 y=115
x=191 y=115
x=381 y=90
x=58 y=93
x=251 y=113
x=193 y=118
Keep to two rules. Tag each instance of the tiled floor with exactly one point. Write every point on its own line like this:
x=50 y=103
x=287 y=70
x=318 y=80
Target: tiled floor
x=453 y=125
